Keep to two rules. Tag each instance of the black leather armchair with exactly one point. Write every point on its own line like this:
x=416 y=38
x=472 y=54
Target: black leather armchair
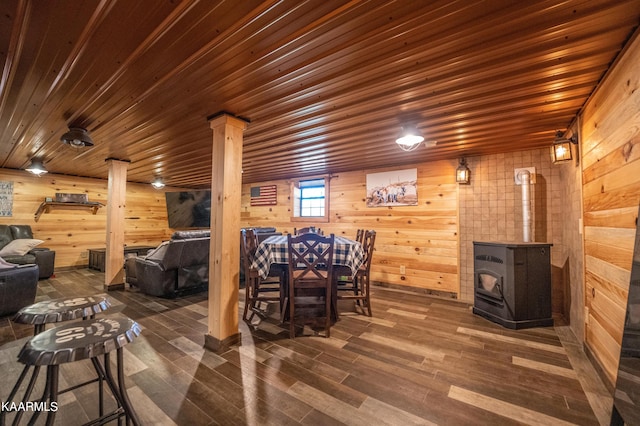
x=177 y=266
x=18 y=287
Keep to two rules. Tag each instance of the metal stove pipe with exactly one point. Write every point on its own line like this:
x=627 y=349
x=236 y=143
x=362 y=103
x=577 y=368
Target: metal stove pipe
x=525 y=178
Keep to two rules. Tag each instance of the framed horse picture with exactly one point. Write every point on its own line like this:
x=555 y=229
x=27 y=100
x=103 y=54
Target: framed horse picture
x=396 y=188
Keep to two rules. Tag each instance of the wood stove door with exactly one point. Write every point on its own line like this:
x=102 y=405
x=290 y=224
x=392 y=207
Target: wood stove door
x=489 y=287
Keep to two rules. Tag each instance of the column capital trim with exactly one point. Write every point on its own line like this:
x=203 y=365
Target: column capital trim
x=224 y=117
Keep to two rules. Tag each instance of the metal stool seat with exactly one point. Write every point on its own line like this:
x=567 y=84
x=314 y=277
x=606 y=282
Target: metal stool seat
x=79 y=340
x=63 y=309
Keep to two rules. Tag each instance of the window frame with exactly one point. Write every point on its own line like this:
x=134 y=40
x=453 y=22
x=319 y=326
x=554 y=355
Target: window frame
x=295 y=200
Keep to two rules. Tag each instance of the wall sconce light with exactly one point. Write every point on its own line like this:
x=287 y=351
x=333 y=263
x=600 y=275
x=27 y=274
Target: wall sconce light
x=561 y=149
x=409 y=139
x=158 y=183
x=37 y=168
x=77 y=137
x=463 y=174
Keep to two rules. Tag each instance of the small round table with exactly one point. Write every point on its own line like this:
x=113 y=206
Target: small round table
x=78 y=340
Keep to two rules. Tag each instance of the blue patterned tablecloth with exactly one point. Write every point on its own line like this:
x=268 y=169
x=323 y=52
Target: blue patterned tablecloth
x=275 y=249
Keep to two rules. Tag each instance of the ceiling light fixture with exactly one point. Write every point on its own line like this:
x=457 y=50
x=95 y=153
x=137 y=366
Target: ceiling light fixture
x=37 y=168
x=77 y=137
x=158 y=183
x=561 y=149
x=409 y=139
x=463 y=174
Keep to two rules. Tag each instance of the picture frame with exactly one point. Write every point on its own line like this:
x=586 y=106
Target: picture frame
x=392 y=189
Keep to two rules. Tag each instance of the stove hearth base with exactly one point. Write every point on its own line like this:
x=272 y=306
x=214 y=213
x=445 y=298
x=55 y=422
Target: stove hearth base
x=514 y=325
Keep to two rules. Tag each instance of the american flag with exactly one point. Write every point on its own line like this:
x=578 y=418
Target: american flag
x=264 y=195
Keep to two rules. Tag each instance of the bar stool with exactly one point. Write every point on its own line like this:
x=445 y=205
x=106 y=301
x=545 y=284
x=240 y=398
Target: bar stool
x=49 y=312
x=63 y=309
x=76 y=341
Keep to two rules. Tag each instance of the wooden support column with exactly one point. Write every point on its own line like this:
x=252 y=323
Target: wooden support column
x=116 y=197
x=224 y=257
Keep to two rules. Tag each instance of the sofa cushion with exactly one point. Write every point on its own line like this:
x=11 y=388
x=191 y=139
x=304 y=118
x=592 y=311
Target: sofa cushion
x=158 y=253
x=5 y=235
x=18 y=288
x=264 y=230
x=25 y=259
x=19 y=247
x=7 y=265
x=186 y=235
x=21 y=231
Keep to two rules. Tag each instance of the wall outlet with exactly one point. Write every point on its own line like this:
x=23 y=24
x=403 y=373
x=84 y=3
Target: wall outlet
x=84 y=254
x=402 y=270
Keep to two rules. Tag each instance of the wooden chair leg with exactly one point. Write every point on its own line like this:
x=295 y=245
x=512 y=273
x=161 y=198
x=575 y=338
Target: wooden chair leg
x=248 y=290
x=292 y=327
x=328 y=296
x=367 y=298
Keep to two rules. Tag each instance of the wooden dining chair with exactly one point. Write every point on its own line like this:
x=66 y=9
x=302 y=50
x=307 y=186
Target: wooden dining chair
x=307 y=230
x=310 y=279
x=357 y=288
x=256 y=289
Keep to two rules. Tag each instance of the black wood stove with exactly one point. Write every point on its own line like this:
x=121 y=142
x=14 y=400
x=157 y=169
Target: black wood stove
x=512 y=283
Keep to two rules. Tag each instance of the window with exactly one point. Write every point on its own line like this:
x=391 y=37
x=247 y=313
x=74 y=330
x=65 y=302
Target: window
x=310 y=200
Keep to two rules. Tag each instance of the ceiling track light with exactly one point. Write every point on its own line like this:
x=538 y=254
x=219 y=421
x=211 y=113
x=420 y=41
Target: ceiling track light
x=77 y=137
x=37 y=167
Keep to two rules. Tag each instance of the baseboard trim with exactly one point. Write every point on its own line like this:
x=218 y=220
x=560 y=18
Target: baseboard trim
x=598 y=367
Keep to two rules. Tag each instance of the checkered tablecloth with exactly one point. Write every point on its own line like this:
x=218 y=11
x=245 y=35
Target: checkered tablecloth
x=275 y=249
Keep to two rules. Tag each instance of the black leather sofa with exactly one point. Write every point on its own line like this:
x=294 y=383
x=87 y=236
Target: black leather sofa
x=18 y=288
x=177 y=266
x=43 y=257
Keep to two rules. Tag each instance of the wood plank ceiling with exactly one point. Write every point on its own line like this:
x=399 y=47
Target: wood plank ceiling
x=326 y=85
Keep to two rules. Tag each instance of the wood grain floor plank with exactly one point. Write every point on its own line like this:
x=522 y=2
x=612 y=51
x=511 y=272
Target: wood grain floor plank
x=418 y=360
x=511 y=411
x=541 y=366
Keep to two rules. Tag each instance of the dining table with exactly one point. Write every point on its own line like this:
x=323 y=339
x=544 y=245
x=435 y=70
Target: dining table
x=273 y=252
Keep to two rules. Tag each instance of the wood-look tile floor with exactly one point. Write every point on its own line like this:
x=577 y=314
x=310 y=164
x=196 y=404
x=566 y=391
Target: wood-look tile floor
x=418 y=360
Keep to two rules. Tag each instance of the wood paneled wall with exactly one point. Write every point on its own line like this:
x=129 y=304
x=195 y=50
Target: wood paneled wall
x=71 y=232
x=610 y=135
x=422 y=238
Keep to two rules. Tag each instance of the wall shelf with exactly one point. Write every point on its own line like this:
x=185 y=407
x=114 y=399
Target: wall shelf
x=46 y=207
